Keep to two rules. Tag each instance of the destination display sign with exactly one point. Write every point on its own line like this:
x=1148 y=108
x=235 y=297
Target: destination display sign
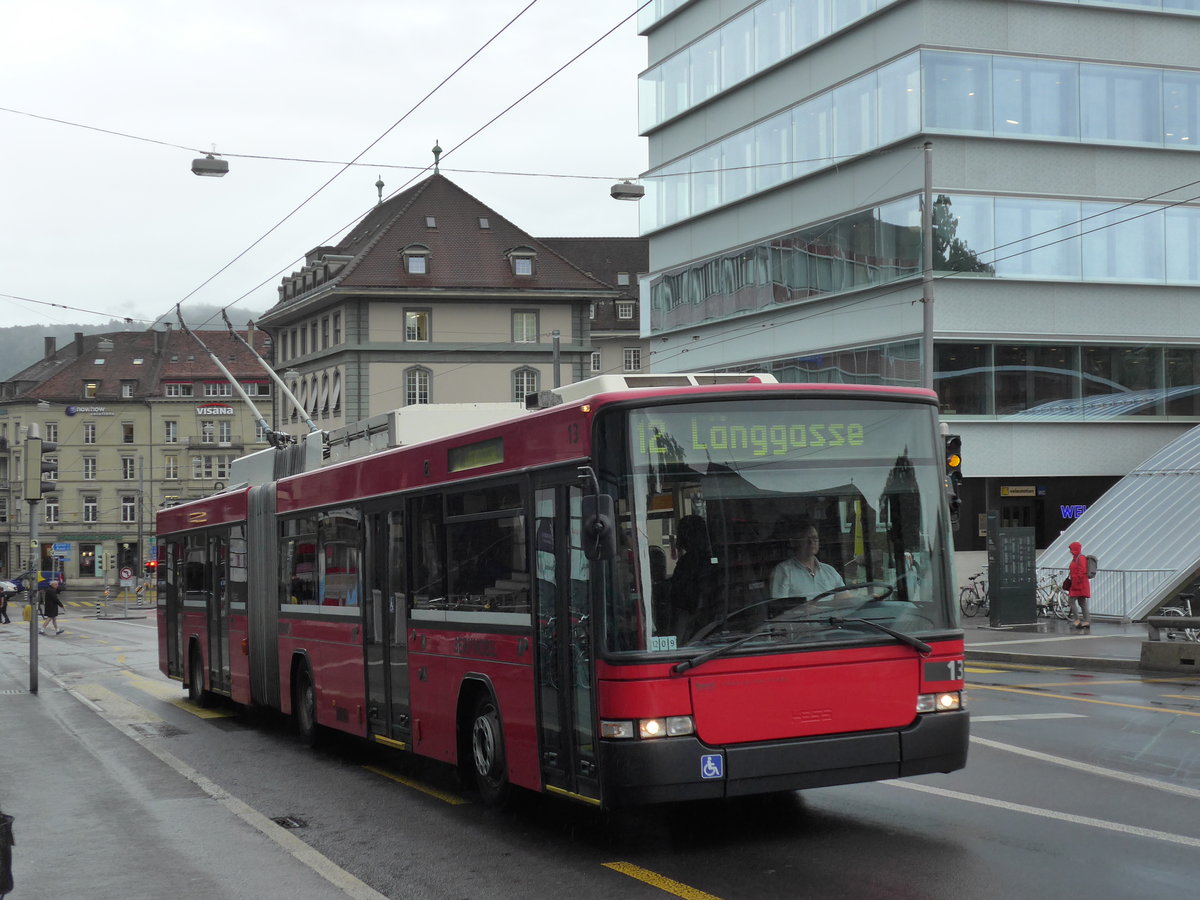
x=758 y=432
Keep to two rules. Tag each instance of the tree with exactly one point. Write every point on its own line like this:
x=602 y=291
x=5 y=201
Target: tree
x=950 y=252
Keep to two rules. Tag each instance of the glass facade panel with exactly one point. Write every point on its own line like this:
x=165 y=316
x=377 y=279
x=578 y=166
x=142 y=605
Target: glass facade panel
x=812 y=134
x=1182 y=367
x=737 y=50
x=1181 y=108
x=706 y=177
x=1121 y=381
x=1182 y=238
x=855 y=116
x=1037 y=238
x=772 y=32
x=737 y=177
x=963 y=378
x=958 y=91
x=1123 y=243
x=704 y=68
x=773 y=149
x=899 y=99
x=964 y=237
x=1120 y=104
x=1035 y=97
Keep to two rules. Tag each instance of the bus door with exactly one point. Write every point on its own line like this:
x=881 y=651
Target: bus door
x=385 y=627
x=172 y=602
x=218 y=610
x=566 y=702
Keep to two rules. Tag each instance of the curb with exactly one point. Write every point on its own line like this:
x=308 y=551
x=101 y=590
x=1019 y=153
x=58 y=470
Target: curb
x=1069 y=662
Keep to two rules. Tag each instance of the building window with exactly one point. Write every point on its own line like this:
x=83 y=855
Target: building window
x=91 y=509
x=52 y=431
x=52 y=509
x=177 y=389
x=210 y=468
x=324 y=332
x=313 y=333
x=218 y=389
x=3 y=509
x=128 y=508
x=89 y=468
x=127 y=389
x=170 y=432
x=256 y=389
x=416 y=324
x=260 y=433
x=416 y=259
x=592 y=310
x=633 y=359
x=126 y=432
x=127 y=468
x=431 y=221
x=89 y=389
x=595 y=360
x=624 y=310
x=416 y=386
x=224 y=431
x=484 y=223
x=337 y=328
x=207 y=431
x=171 y=467
x=89 y=432
x=525 y=381
x=525 y=327
x=521 y=259
x=51 y=474
x=622 y=278
x=293 y=344
x=303 y=340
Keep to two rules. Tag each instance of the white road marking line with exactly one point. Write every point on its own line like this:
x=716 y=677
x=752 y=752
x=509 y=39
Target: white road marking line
x=1139 y=780
x=1028 y=716
x=1051 y=814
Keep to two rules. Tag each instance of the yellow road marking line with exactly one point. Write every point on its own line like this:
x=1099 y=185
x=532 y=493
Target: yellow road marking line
x=1021 y=667
x=444 y=796
x=169 y=693
x=975 y=670
x=662 y=882
x=1009 y=690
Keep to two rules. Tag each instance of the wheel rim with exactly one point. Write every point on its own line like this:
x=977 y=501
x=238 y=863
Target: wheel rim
x=307 y=711
x=483 y=745
x=196 y=688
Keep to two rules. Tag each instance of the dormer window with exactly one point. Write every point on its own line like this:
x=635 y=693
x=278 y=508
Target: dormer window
x=521 y=259
x=431 y=222
x=416 y=259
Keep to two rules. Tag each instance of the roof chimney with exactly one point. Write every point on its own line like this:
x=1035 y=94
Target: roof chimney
x=79 y=343
x=51 y=345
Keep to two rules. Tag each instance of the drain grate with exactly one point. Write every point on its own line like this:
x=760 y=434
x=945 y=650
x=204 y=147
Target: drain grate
x=14 y=691
x=289 y=822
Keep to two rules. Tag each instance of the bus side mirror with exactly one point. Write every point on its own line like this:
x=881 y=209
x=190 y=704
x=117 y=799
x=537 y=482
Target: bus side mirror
x=599 y=527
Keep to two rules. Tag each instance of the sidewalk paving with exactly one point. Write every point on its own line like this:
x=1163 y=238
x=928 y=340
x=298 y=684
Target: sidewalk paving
x=1053 y=642
x=100 y=814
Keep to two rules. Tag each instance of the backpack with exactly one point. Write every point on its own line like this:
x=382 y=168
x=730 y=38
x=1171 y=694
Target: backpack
x=1093 y=566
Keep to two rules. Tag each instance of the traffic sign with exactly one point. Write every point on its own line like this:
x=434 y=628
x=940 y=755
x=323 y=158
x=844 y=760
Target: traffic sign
x=60 y=548
x=126 y=572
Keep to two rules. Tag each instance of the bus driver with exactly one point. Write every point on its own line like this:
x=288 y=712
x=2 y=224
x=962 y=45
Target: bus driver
x=802 y=574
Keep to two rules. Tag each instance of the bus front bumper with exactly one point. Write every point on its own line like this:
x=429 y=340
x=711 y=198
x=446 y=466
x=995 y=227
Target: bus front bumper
x=678 y=769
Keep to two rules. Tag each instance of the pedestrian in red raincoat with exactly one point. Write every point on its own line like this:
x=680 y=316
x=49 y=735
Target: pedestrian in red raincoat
x=1081 y=587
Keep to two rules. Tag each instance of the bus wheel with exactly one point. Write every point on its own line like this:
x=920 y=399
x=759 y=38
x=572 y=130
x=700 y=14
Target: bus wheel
x=196 y=692
x=304 y=706
x=487 y=752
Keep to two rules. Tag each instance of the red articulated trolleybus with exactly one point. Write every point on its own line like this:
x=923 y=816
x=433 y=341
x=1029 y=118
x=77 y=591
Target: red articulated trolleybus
x=601 y=597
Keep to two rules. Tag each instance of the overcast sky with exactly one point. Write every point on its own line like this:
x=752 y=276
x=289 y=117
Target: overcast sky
x=99 y=222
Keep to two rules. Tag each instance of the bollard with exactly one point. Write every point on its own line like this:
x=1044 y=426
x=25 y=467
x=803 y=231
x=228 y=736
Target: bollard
x=6 y=845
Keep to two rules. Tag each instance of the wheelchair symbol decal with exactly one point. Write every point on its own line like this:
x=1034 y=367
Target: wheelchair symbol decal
x=712 y=765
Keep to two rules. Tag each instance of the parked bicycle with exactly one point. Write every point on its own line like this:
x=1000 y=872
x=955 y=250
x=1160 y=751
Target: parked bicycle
x=974 y=598
x=1185 y=609
x=1052 y=600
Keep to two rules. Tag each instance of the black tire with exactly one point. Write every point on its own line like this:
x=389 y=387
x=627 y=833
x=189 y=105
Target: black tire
x=304 y=708
x=488 y=760
x=196 y=692
x=968 y=601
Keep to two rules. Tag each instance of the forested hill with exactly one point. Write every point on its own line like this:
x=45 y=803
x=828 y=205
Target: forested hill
x=23 y=345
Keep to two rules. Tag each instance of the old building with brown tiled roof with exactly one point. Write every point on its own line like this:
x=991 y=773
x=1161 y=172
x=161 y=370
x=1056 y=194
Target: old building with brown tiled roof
x=142 y=420
x=434 y=297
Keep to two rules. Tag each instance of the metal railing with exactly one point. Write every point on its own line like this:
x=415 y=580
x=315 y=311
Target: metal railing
x=1117 y=593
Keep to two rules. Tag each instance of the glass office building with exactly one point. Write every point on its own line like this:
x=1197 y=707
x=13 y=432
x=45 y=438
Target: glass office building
x=783 y=204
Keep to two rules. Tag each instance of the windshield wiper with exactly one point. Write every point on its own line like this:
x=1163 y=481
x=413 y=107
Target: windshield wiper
x=704 y=657
x=837 y=622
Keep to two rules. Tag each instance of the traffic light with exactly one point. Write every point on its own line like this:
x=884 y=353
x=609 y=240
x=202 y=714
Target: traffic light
x=954 y=476
x=36 y=485
x=151 y=565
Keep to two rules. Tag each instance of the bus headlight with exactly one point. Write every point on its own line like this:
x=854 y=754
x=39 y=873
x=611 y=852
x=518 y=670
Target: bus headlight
x=647 y=729
x=944 y=702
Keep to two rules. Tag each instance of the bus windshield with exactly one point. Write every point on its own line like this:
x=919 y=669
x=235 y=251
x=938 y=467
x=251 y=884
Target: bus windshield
x=775 y=523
